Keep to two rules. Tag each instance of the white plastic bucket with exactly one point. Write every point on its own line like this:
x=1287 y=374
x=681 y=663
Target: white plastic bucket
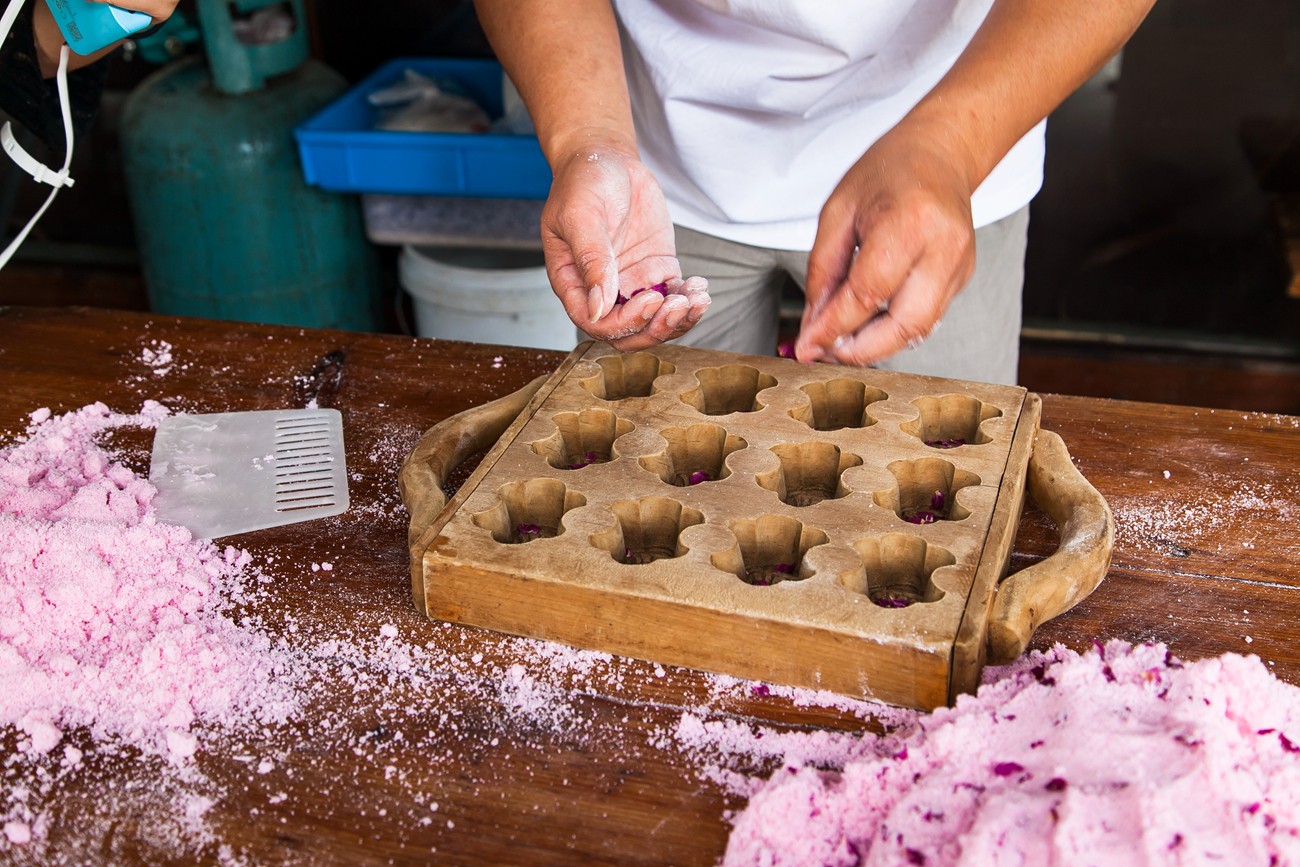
x=484 y=295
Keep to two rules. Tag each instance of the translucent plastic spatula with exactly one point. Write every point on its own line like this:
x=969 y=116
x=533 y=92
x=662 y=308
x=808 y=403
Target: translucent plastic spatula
x=232 y=472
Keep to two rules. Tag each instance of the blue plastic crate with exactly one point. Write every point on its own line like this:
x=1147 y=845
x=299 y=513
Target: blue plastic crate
x=342 y=151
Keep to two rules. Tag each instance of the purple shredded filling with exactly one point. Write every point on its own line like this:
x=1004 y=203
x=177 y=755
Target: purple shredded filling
x=892 y=601
x=921 y=516
x=785 y=349
x=699 y=476
x=761 y=689
x=945 y=444
x=1006 y=769
x=760 y=580
x=936 y=501
x=528 y=530
x=588 y=458
x=1287 y=744
x=661 y=288
x=1056 y=784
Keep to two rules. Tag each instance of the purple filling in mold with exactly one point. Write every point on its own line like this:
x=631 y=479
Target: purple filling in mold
x=588 y=458
x=930 y=515
x=945 y=444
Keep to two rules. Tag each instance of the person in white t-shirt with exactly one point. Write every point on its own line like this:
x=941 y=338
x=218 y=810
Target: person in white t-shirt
x=882 y=154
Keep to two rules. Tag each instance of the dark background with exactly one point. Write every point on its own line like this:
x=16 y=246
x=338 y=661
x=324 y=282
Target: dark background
x=1157 y=239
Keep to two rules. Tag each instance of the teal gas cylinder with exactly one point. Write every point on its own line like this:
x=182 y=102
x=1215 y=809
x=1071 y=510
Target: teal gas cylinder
x=226 y=226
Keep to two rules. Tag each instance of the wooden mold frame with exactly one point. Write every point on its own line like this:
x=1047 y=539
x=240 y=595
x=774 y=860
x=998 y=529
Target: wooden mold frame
x=744 y=515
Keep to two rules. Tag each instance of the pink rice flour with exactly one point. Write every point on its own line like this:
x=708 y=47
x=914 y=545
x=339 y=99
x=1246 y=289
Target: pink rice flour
x=1121 y=756
x=108 y=619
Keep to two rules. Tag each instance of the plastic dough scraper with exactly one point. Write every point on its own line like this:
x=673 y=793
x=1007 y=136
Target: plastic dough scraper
x=219 y=474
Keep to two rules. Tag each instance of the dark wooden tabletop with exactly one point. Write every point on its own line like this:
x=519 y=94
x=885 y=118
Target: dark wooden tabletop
x=447 y=753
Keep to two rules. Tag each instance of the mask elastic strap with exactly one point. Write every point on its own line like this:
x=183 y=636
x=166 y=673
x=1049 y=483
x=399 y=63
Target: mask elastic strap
x=26 y=161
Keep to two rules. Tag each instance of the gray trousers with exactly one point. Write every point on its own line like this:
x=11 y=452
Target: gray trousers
x=978 y=339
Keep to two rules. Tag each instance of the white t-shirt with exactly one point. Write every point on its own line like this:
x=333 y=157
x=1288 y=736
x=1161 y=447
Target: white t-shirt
x=750 y=111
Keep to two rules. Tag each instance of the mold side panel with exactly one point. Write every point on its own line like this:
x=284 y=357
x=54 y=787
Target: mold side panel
x=970 y=644
x=664 y=631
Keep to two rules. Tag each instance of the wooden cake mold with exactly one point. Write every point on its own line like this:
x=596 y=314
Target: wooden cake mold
x=819 y=526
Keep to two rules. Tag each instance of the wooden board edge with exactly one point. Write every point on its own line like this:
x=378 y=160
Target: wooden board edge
x=676 y=633
x=968 y=652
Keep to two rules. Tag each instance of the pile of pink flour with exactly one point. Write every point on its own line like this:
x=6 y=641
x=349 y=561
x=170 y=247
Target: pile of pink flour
x=108 y=619
x=1119 y=756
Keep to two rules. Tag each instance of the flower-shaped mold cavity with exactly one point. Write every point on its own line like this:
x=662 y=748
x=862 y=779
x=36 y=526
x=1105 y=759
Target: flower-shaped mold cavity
x=837 y=404
x=927 y=491
x=694 y=455
x=770 y=549
x=529 y=510
x=898 y=570
x=809 y=472
x=582 y=438
x=647 y=530
x=624 y=376
x=950 y=421
x=728 y=389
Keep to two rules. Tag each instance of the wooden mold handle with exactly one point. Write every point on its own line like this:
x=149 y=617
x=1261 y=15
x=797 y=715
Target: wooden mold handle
x=446 y=445
x=1054 y=585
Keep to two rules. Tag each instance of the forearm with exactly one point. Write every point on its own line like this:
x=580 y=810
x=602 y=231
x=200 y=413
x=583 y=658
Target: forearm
x=564 y=56
x=1026 y=58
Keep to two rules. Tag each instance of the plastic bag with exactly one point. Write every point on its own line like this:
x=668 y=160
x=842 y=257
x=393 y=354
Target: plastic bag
x=266 y=26
x=515 y=119
x=419 y=103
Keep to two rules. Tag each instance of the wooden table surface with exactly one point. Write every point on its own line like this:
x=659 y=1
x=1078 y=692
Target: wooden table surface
x=445 y=761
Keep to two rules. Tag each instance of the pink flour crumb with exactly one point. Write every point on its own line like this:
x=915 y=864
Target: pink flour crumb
x=1123 y=755
x=19 y=833
x=110 y=620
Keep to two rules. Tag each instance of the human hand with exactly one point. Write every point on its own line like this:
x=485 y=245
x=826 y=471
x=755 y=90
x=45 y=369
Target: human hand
x=895 y=244
x=606 y=235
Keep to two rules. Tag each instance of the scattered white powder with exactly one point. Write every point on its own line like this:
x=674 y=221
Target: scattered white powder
x=157 y=355
x=1170 y=523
